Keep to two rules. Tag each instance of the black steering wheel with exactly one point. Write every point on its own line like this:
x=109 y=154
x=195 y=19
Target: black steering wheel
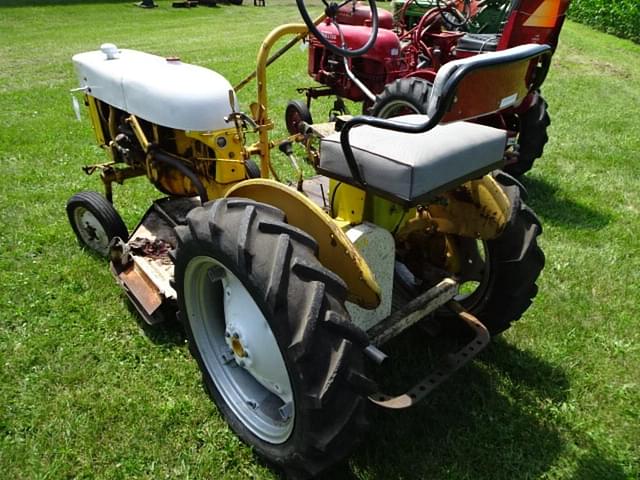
x=331 y=11
x=451 y=15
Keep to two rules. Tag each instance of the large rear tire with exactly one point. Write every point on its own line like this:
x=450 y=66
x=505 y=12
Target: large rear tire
x=256 y=305
x=532 y=137
x=505 y=269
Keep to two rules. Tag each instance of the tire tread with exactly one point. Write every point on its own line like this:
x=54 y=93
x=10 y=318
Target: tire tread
x=299 y=294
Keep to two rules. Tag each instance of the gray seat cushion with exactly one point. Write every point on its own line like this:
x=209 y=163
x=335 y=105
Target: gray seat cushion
x=479 y=42
x=412 y=167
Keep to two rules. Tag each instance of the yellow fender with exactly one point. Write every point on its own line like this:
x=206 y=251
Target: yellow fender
x=335 y=250
x=476 y=209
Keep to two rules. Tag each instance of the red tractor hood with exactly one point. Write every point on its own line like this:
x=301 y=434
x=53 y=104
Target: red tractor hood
x=387 y=44
x=361 y=15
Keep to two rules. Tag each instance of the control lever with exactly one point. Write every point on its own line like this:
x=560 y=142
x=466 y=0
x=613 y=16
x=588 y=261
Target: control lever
x=243 y=117
x=286 y=147
x=237 y=117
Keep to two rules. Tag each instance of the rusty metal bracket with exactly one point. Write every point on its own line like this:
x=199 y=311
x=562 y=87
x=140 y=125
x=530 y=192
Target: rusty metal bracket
x=91 y=169
x=452 y=363
x=110 y=175
x=413 y=312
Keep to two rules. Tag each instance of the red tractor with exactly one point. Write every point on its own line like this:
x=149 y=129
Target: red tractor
x=395 y=75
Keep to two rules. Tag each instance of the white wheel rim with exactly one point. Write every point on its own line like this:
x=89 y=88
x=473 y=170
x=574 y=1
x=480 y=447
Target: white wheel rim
x=239 y=350
x=91 y=231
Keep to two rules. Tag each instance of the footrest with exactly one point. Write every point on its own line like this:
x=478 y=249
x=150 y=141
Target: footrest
x=452 y=363
x=413 y=312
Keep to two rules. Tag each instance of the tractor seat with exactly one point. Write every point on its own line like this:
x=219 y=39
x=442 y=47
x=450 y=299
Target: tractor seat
x=479 y=42
x=413 y=167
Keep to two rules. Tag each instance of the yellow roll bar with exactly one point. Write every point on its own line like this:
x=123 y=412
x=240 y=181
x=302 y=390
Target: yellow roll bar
x=263 y=147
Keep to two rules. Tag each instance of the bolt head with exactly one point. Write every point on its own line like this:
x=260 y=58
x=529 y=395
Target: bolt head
x=215 y=274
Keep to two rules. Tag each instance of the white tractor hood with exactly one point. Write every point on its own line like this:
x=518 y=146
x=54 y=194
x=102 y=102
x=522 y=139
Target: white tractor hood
x=162 y=91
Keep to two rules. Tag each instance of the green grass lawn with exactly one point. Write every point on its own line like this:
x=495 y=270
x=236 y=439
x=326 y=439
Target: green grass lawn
x=88 y=391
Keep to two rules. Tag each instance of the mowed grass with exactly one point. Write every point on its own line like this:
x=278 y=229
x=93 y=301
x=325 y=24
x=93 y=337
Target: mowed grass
x=88 y=391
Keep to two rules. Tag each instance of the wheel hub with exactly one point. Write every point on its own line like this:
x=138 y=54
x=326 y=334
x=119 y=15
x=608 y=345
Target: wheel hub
x=90 y=230
x=239 y=349
x=236 y=346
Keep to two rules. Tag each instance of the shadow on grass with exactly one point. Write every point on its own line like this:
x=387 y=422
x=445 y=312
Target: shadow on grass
x=473 y=426
x=490 y=421
x=593 y=466
x=169 y=333
x=547 y=201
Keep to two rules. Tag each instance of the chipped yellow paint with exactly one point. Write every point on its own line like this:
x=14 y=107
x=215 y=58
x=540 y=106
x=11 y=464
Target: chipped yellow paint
x=229 y=139
x=335 y=250
x=475 y=209
x=227 y=146
x=183 y=142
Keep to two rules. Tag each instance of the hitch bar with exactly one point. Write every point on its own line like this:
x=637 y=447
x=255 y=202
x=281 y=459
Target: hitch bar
x=452 y=363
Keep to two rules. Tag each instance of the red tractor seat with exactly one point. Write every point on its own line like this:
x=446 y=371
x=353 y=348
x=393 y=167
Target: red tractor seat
x=479 y=42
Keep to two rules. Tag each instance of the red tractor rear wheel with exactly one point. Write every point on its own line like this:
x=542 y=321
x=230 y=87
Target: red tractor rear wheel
x=531 y=126
x=401 y=97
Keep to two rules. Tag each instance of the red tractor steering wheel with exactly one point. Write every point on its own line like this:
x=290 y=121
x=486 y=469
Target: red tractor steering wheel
x=331 y=11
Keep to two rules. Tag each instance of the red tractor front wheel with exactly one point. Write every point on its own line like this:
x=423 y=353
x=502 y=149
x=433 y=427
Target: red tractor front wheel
x=296 y=113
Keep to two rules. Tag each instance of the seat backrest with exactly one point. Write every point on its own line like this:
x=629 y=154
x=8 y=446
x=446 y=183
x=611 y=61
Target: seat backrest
x=484 y=84
x=467 y=88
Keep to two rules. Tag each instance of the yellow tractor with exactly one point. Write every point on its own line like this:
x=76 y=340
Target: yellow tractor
x=288 y=292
